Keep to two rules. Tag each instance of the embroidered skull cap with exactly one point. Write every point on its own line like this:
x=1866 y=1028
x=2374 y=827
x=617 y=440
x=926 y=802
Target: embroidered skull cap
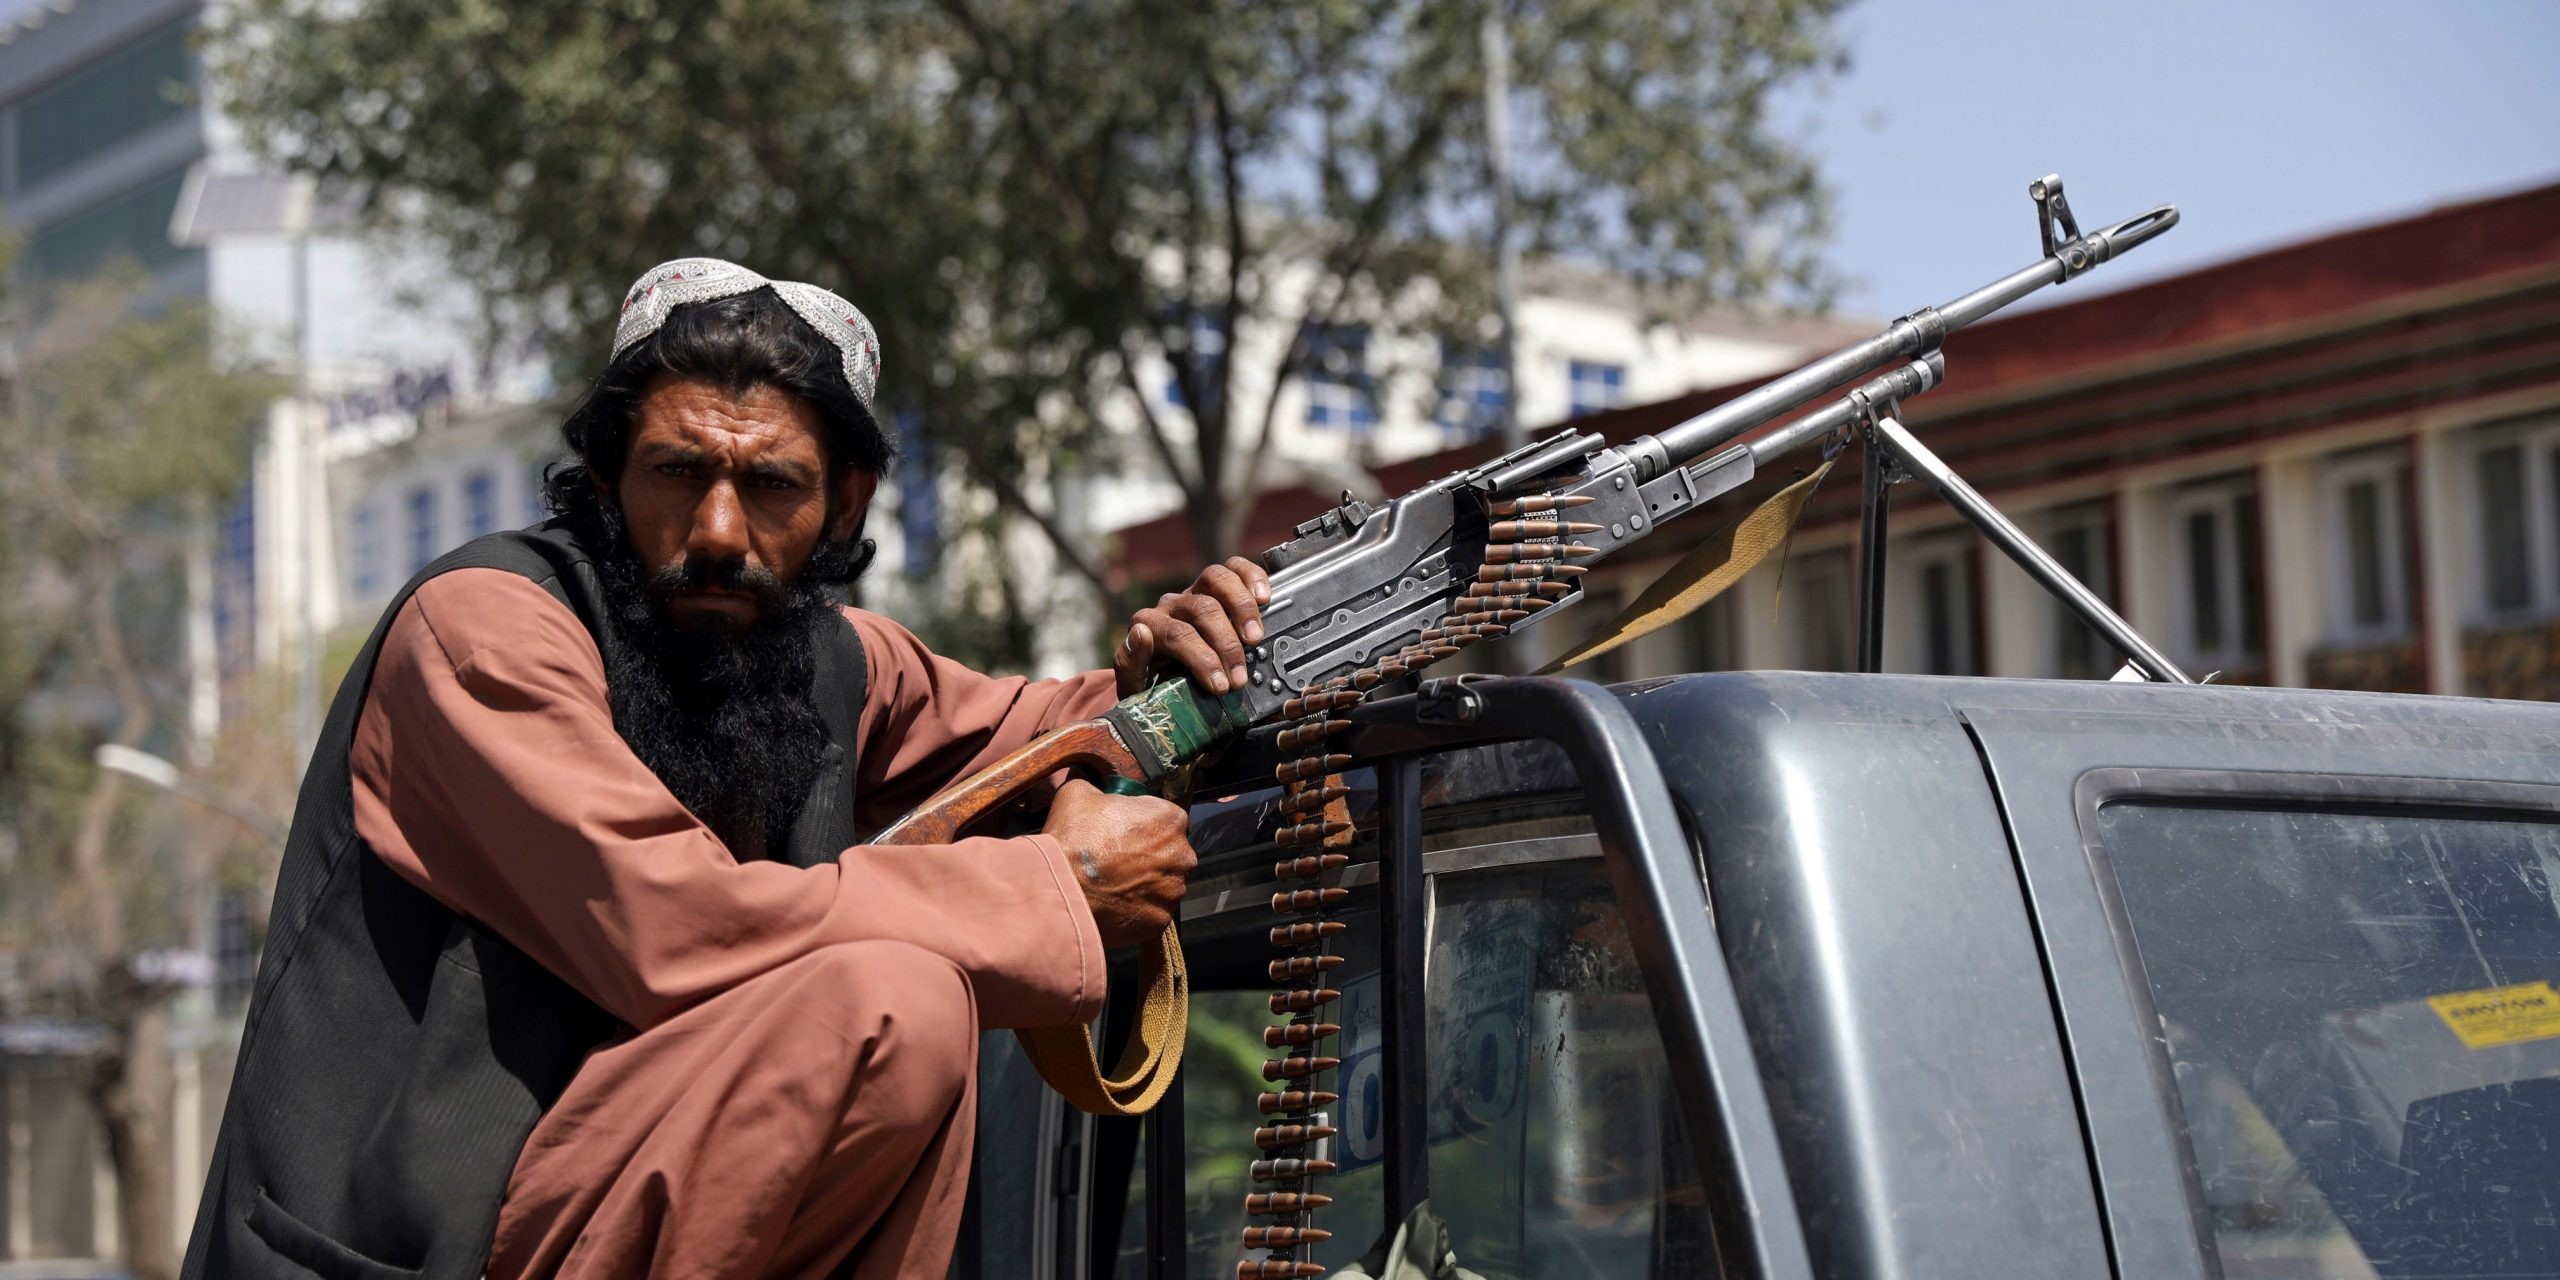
x=669 y=285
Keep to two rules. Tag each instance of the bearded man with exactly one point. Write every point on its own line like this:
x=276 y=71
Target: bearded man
x=576 y=965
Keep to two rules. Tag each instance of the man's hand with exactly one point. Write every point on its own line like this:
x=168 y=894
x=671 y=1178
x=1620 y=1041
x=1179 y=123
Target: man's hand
x=1134 y=853
x=1203 y=630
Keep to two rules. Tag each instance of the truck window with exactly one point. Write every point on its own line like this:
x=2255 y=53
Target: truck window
x=2360 y=1013
x=1555 y=1142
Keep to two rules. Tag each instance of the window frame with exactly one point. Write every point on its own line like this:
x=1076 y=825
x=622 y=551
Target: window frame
x=2095 y=520
x=2386 y=468
x=2538 y=440
x=1644 y=844
x=2220 y=498
x=2245 y=788
x=1609 y=377
x=1955 y=551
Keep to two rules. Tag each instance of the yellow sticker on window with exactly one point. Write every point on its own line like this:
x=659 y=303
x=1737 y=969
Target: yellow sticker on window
x=2501 y=1015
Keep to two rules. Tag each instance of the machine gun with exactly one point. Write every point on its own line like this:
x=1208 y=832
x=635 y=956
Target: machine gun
x=1363 y=596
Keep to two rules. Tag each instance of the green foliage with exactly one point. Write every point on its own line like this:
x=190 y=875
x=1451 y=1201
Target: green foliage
x=119 y=422
x=1033 y=199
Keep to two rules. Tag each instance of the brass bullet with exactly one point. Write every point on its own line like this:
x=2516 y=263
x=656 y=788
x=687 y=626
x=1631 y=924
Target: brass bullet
x=1303 y=1000
x=1310 y=767
x=1271 y=1203
x=1283 y=1237
x=1304 y=932
x=1287 y=1170
x=1308 y=734
x=1308 y=867
x=1273 y=1104
x=1302 y=967
x=1309 y=798
x=1275 y=1268
x=1516 y=530
x=1297 y=1033
x=1296 y=1068
x=1308 y=833
x=1307 y=899
x=1275 y=1137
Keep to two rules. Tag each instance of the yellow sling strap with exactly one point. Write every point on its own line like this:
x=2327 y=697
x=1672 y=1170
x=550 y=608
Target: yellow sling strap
x=1701 y=575
x=1065 y=1058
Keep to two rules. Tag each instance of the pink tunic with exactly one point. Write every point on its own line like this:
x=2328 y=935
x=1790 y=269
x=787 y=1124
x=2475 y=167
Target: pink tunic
x=488 y=772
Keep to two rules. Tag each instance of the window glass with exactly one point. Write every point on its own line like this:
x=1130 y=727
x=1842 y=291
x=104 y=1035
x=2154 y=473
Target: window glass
x=1820 y=586
x=1474 y=389
x=2505 y=559
x=2360 y=1014
x=364 y=539
x=1557 y=1147
x=2365 y=554
x=426 y=532
x=132 y=225
x=2204 y=579
x=2079 y=543
x=1595 y=386
x=479 y=503
x=1340 y=392
x=122 y=95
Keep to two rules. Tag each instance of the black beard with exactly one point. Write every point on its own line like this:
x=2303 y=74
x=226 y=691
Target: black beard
x=724 y=715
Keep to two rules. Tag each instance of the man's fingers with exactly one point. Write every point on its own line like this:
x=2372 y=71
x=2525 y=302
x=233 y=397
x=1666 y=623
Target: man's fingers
x=1235 y=595
x=1209 y=618
x=1179 y=642
x=1256 y=580
x=1137 y=652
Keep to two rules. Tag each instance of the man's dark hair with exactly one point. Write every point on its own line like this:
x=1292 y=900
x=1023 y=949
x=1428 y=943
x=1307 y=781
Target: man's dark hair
x=735 y=344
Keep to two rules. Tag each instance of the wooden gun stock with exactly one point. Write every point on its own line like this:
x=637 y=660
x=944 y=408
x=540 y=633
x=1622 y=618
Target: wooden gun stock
x=1091 y=745
x=1065 y=1056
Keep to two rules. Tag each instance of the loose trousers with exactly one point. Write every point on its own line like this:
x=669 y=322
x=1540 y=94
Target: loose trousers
x=814 y=1121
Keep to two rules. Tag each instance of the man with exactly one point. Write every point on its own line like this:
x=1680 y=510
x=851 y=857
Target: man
x=576 y=966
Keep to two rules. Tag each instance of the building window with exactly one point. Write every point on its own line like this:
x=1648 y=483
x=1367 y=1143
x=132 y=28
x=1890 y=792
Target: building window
x=2366 y=502
x=1474 y=391
x=919 y=498
x=364 y=550
x=235 y=583
x=1202 y=349
x=2082 y=539
x=480 y=503
x=2517 y=476
x=1942 y=582
x=132 y=225
x=1596 y=386
x=1706 y=636
x=2221 y=605
x=1340 y=393
x=426 y=536
x=121 y=96
x=1819 y=585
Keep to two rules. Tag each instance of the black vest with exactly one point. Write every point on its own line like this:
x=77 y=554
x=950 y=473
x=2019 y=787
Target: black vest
x=397 y=1055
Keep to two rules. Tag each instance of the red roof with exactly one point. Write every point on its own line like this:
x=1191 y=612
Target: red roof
x=2110 y=350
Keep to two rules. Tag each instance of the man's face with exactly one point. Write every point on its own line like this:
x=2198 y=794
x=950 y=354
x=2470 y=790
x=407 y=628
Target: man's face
x=728 y=495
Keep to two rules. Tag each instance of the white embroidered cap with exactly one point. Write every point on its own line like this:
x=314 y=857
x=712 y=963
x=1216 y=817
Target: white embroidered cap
x=669 y=285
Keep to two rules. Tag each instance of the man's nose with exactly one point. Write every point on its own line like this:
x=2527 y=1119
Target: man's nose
x=719 y=529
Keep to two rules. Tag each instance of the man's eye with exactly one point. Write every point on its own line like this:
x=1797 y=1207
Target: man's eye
x=778 y=484
x=679 y=470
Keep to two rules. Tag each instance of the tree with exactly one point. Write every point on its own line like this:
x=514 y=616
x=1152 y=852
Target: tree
x=120 y=430
x=1039 y=201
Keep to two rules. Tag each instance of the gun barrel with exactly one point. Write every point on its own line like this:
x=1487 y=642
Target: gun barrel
x=1909 y=338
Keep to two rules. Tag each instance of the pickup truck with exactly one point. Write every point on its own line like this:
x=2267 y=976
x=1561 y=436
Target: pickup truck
x=1780 y=974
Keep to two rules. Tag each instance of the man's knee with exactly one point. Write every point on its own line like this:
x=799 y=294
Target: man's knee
x=912 y=1010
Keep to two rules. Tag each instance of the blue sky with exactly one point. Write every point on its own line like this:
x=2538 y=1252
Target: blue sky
x=2265 y=121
